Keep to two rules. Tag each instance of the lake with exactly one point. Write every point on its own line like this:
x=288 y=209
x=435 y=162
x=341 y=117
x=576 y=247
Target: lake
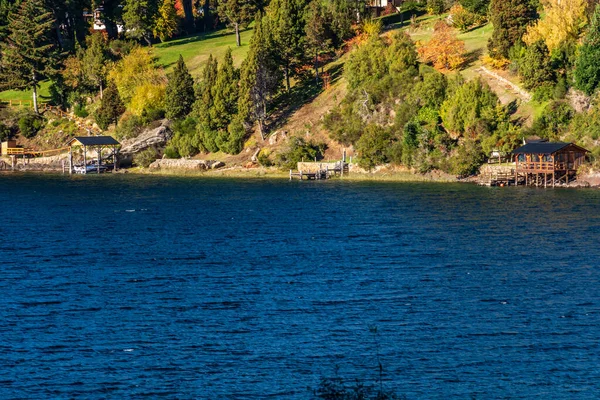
x=160 y=287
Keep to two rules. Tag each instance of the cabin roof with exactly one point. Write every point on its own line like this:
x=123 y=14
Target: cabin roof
x=544 y=148
x=93 y=141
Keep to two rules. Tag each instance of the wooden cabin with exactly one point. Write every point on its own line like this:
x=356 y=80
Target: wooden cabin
x=540 y=163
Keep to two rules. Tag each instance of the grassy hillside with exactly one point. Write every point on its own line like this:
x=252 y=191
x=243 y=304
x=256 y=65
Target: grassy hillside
x=25 y=94
x=196 y=49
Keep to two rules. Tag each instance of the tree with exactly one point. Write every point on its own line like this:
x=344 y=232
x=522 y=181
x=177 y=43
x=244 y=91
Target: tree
x=206 y=129
x=27 y=54
x=260 y=77
x=237 y=12
x=510 y=19
x=287 y=21
x=476 y=6
x=372 y=146
x=563 y=20
x=138 y=16
x=94 y=60
x=167 y=22
x=225 y=93
x=111 y=107
x=536 y=67
x=134 y=70
x=180 y=95
x=473 y=107
x=444 y=49
x=318 y=35
x=587 y=66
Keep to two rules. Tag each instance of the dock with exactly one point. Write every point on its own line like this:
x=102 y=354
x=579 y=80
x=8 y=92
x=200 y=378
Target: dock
x=319 y=171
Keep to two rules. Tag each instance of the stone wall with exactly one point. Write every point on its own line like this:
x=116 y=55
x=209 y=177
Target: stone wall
x=182 y=163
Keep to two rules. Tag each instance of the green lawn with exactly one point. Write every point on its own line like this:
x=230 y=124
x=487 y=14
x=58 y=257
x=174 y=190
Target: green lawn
x=196 y=49
x=26 y=94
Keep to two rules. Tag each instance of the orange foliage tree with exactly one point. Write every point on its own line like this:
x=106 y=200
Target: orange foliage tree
x=444 y=50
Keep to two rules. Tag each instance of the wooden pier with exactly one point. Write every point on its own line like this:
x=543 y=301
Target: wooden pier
x=319 y=171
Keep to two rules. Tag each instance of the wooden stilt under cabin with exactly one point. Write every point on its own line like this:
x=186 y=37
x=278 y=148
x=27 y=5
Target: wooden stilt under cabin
x=537 y=162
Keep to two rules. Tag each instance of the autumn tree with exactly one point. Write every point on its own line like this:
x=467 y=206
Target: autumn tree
x=166 y=23
x=587 y=66
x=179 y=96
x=510 y=19
x=237 y=13
x=135 y=70
x=444 y=50
x=94 y=60
x=562 y=20
x=27 y=53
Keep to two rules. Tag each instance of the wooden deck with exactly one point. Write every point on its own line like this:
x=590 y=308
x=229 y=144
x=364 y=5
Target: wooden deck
x=323 y=171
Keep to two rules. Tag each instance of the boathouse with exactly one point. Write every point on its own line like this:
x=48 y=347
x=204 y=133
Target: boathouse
x=543 y=163
x=101 y=145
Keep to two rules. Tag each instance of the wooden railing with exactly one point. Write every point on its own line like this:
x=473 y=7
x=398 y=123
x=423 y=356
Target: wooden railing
x=20 y=151
x=19 y=103
x=536 y=166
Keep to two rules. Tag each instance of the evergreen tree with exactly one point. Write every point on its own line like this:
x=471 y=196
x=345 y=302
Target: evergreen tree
x=111 y=107
x=536 y=67
x=207 y=131
x=180 y=92
x=318 y=35
x=587 y=66
x=260 y=77
x=287 y=21
x=237 y=12
x=225 y=94
x=94 y=60
x=510 y=19
x=138 y=16
x=27 y=53
x=166 y=23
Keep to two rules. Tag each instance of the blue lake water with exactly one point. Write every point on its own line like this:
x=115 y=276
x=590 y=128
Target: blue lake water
x=128 y=287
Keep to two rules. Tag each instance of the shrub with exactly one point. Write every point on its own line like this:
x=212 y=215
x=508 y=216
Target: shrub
x=543 y=92
x=462 y=18
x=535 y=67
x=146 y=157
x=171 y=152
x=129 y=126
x=80 y=111
x=30 y=124
x=264 y=159
x=300 y=150
x=5 y=132
x=554 y=120
x=373 y=146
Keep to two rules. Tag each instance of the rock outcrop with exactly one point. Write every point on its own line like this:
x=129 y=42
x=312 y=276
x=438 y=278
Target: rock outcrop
x=152 y=137
x=200 y=165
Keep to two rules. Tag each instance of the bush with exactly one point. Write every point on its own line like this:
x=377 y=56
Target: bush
x=554 y=120
x=171 y=152
x=264 y=159
x=300 y=150
x=30 y=124
x=129 y=126
x=5 y=132
x=543 y=92
x=146 y=157
x=372 y=146
x=80 y=111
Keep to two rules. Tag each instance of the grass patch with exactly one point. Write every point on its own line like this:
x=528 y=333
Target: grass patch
x=196 y=49
x=43 y=92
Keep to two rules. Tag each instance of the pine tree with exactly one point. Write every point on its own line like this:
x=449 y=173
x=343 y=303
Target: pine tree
x=111 y=107
x=587 y=66
x=536 y=67
x=510 y=19
x=180 y=95
x=318 y=36
x=166 y=23
x=207 y=131
x=138 y=16
x=225 y=93
x=287 y=21
x=237 y=12
x=94 y=60
x=260 y=77
x=27 y=53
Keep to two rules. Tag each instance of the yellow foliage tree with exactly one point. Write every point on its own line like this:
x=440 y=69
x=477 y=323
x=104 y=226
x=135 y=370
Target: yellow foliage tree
x=563 y=20
x=135 y=70
x=167 y=21
x=147 y=96
x=444 y=50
